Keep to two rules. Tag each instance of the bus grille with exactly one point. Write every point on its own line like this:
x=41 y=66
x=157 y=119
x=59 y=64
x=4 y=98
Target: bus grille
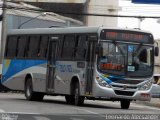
x=122 y=86
x=134 y=82
x=126 y=93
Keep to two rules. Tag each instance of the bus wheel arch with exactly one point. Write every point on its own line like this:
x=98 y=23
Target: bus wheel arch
x=70 y=98
x=74 y=97
x=74 y=81
x=29 y=92
x=75 y=91
x=28 y=87
x=27 y=77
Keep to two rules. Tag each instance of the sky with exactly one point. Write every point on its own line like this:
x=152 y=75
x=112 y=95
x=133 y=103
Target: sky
x=148 y=24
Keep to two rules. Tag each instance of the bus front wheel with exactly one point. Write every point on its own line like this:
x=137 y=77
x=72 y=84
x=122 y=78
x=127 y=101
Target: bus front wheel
x=69 y=99
x=125 y=104
x=30 y=94
x=79 y=100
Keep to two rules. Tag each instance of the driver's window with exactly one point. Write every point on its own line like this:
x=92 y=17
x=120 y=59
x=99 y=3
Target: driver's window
x=143 y=56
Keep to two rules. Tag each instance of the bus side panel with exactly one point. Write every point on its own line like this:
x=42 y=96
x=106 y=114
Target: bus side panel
x=15 y=83
x=14 y=73
x=39 y=77
x=65 y=71
x=12 y=78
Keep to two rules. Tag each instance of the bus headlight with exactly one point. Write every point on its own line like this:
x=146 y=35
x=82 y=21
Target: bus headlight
x=102 y=82
x=146 y=86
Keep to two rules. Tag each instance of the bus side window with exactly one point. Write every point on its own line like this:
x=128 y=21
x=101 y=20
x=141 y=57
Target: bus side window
x=33 y=46
x=80 y=47
x=11 y=47
x=68 y=47
x=22 y=42
x=43 y=47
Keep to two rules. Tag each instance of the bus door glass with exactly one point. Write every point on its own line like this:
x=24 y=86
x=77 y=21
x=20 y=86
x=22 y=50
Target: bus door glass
x=90 y=63
x=51 y=63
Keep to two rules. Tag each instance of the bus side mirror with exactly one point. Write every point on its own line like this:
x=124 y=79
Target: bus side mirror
x=156 y=51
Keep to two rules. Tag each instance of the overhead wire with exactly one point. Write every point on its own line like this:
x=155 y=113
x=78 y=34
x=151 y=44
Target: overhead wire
x=75 y=13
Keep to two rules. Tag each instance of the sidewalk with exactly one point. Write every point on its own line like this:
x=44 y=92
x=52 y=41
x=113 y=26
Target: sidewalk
x=155 y=102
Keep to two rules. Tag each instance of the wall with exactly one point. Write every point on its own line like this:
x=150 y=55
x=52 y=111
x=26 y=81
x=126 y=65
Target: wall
x=86 y=6
x=14 y=21
x=102 y=7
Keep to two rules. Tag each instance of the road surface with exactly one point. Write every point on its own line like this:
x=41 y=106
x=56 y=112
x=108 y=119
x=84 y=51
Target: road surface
x=15 y=107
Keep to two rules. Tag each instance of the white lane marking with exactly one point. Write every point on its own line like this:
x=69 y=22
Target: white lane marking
x=87 y=111
x=91 y=112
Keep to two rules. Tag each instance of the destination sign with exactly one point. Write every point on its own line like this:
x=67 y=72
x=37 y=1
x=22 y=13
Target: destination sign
x=126 y=36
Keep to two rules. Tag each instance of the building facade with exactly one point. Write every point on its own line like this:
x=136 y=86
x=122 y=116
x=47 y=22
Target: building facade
x=78 y=9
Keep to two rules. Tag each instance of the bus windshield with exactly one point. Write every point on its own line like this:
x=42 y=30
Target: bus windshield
x=126 y=59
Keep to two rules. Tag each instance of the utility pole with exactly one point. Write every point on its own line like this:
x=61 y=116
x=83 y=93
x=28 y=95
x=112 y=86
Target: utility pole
x=3 y=30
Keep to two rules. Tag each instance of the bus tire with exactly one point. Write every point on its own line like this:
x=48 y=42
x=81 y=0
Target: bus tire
x=30 y=94
x=69 y=99
x=78 y=100
x=125 y=104
x=39 y=96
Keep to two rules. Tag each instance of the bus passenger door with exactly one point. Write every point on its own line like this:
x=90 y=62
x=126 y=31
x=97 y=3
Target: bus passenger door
x=51 y=63
x=90 y=63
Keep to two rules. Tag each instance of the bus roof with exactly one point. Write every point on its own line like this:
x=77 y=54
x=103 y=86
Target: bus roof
x=65 y=30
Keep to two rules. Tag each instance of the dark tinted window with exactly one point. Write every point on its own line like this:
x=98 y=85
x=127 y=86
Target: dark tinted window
x=22 y=44
x=81 y=46
x=68 y=47
x=33 y=50
x=11 y=46
x=43 y=47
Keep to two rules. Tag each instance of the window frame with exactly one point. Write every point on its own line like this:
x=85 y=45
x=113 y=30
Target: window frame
x=11 y=47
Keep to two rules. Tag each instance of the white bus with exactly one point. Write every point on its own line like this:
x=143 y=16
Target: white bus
x=80 y=62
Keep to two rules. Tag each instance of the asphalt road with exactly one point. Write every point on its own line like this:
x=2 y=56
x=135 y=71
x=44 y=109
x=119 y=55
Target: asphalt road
x=16 y=107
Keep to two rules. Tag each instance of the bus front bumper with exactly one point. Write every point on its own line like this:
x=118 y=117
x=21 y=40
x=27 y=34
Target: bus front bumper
x=110 y=93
